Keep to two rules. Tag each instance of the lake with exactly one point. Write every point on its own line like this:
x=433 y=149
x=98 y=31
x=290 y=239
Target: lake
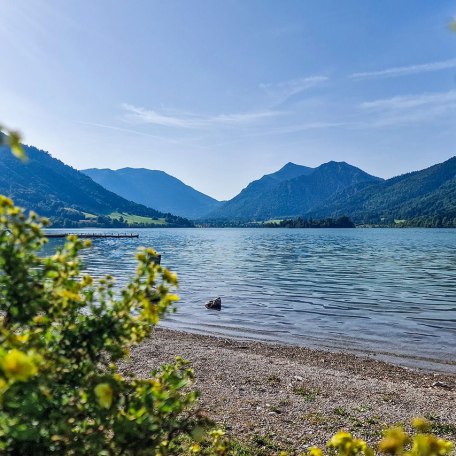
x=389 y=292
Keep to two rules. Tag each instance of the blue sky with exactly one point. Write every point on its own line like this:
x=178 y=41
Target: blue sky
x=218 y=93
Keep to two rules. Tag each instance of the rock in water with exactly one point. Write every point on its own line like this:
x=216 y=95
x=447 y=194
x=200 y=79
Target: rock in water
x=214 y=304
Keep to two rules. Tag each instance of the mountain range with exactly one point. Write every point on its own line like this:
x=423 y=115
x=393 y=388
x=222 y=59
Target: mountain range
x=142 y=197
x=69 y=197
x=155 y=189
x=291 y=192
x=426 y=197
x=331 y=190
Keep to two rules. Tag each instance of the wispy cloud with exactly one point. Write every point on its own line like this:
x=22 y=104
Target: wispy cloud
x=412 y=101
x=128 y=130
x=409 y=108
x=406 y=70
x=137 y=114
x=286 y=89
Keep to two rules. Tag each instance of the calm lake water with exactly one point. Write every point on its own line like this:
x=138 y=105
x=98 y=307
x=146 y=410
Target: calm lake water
x=374 y=290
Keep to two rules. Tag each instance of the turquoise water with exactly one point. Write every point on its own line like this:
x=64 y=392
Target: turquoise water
x=374 y=290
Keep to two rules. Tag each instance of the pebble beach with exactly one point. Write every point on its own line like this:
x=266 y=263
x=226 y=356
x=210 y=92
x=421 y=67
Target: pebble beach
x=275 y=397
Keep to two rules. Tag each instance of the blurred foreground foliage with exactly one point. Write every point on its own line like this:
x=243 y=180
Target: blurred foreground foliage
x=60 y=337
x=13 y=139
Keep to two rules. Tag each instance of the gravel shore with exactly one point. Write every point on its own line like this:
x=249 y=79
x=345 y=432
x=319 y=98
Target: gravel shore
x=276 y=397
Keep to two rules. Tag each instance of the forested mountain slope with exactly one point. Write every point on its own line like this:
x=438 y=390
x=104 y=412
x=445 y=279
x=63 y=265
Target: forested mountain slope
x=66 y=195
x=284 y=195
x=424 y=197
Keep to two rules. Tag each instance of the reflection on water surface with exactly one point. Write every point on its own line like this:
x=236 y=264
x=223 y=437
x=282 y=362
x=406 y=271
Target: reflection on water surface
x=391 y=290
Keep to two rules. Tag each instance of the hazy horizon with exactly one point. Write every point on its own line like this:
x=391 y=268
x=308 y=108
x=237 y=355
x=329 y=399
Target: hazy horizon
x=218 y=94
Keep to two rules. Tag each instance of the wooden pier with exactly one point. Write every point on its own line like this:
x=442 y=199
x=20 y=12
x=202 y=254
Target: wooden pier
x=94 y=235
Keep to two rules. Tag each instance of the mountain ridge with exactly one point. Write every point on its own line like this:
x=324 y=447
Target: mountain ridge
x=276 y=195
x=154 y=188
x=426 y=193
x=53 y=189
x=425 y=197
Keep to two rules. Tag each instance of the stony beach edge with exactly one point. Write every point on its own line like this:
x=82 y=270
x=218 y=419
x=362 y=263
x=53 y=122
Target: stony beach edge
x=280 y=397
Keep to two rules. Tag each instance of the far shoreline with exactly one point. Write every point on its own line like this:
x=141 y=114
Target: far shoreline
x=157 y=227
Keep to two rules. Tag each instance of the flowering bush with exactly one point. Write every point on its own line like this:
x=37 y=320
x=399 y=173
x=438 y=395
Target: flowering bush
x=60 y=336
x=394 y=442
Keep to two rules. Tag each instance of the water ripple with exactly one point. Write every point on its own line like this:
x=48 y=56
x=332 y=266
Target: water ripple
x=386 y=290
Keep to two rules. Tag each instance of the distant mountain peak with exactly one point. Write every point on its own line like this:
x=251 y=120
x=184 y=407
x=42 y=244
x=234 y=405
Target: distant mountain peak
x=423 y=198
x=155 y=188
x=289 y=165
x=290 y=171
x=291 y=191
x=334 y=163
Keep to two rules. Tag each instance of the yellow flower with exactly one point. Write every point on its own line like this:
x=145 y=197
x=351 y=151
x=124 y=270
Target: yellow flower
x=18 y=365
x=394 y=441
x=195 y=448
x=430 y=445
x=6 y=202
x=170 y=277
x=104 y=394
x=315 y=451
x=69 y=295
x=3 y=385
x=346 y=445
x=340 y=439
x=421 y=424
